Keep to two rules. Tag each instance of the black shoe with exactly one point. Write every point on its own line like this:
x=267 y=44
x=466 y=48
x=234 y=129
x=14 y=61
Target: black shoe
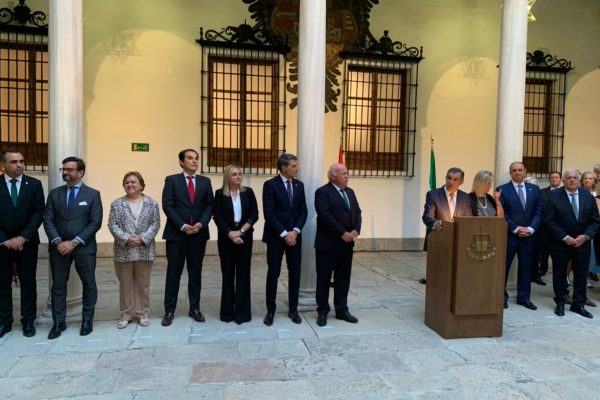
x=527 y=304
x=28 y=329
x=560 y=310
x=56 y=330
x=582 y=311
x=322 y=320
x=167 y=319
x=423 y=281
x=295 y=317
x=346 y=316
x=86 y=328
x=197 y=316
x=593 y=277
x=539 y=281
x=268 y=321
x=505 y=304
x=4 y=329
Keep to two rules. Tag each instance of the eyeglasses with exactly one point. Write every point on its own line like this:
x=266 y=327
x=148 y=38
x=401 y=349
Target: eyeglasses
x=67 y=170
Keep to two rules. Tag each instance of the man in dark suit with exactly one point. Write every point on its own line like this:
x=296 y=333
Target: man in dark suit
x=540 y=265
x=72 y=217
x=187 y=200
x=572 y=218
x=338 y=225
x=522 y=205
x=284 y=206
x=445 y=203
x=21 y=214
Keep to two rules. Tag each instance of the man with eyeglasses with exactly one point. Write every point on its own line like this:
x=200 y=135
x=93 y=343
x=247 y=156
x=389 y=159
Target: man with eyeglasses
x=22 y=210
x=73 y=216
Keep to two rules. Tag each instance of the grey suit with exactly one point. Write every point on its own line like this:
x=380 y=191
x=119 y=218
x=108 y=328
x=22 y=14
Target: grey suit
x=61 y=224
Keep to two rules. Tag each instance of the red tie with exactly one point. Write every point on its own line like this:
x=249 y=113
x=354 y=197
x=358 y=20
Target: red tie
x=191 y=190
x=192 y=193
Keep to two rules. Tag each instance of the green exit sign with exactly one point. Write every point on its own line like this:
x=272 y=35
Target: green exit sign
x=140 y=146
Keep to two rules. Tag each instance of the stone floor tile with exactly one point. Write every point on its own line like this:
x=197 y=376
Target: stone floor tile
x=281 y=348
x=320 y=365
x=54 y=363
x=337 y=346
x=288 y=390
x=259 y=370
x=144 y=377
x=125 y=358
x=197 y=353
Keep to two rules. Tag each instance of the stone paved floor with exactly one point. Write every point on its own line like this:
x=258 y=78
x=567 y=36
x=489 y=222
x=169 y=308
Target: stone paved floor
x=389 y=354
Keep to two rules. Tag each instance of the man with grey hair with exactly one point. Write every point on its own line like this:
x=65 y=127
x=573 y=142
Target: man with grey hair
x=338 y=225
x=284 y=207
x=572 y=217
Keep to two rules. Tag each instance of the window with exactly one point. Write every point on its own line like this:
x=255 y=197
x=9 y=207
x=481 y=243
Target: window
x=242 y=114
x=374 y=119
x=243 y=99
x=378 y=113
x=543 y=127
x=24 y=95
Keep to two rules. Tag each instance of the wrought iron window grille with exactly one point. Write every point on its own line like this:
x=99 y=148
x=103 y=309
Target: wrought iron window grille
x=243 y=86
x=544 y=114
x=379 y=107
x=24 y=84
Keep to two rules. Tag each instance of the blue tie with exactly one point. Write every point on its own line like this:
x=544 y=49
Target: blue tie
x=521 y=195
x=289 y=191
x=574 y=204
x=346 y=201
x=71 y=199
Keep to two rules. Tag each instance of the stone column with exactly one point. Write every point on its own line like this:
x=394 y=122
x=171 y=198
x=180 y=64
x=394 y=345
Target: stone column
x=511 y=86
x=65 y=118
x=511 y=94
x=311 y=109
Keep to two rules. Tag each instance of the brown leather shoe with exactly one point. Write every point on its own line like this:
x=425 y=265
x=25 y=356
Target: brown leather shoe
x=568 y=299
x=589 y=303
x=268 y=321
x=197 y=316
x=167 y=319
x=295 y=317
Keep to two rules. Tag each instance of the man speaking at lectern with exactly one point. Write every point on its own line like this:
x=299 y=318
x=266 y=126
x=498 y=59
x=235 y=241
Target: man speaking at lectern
x=445 y=203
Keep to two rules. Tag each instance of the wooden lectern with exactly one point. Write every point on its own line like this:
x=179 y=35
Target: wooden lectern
x=465 y=278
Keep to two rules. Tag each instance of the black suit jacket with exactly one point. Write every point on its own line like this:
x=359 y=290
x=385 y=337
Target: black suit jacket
x=280 y=215
x=561 y=221
x=333 y=219
x=179 y=210
x=24 y=219
x=223 y=211
x=84 y=219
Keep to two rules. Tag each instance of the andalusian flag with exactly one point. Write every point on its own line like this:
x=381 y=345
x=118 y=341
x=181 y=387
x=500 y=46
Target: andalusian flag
x=432 y=184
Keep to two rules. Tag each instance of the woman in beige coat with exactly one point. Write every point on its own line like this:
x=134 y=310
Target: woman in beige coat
x=134 y=221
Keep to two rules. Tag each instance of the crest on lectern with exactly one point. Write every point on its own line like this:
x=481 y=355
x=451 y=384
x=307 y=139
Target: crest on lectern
x=482 y=247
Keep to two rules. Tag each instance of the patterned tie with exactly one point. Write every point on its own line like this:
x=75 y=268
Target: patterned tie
x=13 y=191
x=288 y=189
x=71 y=199
x=191 y=190
x=346 y=201
x=521 y=195
x=452 y=204
x=574 y=204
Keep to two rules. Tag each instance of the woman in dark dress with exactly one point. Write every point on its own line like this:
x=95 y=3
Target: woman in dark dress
x=482 y=203
x=235 y=211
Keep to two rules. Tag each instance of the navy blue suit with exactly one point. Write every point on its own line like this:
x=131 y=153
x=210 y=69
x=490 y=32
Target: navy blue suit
x=281 y=215
x=182 y=248
x=24 y=219
x=561 y=221
x=523 y=247
x=334 y=255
